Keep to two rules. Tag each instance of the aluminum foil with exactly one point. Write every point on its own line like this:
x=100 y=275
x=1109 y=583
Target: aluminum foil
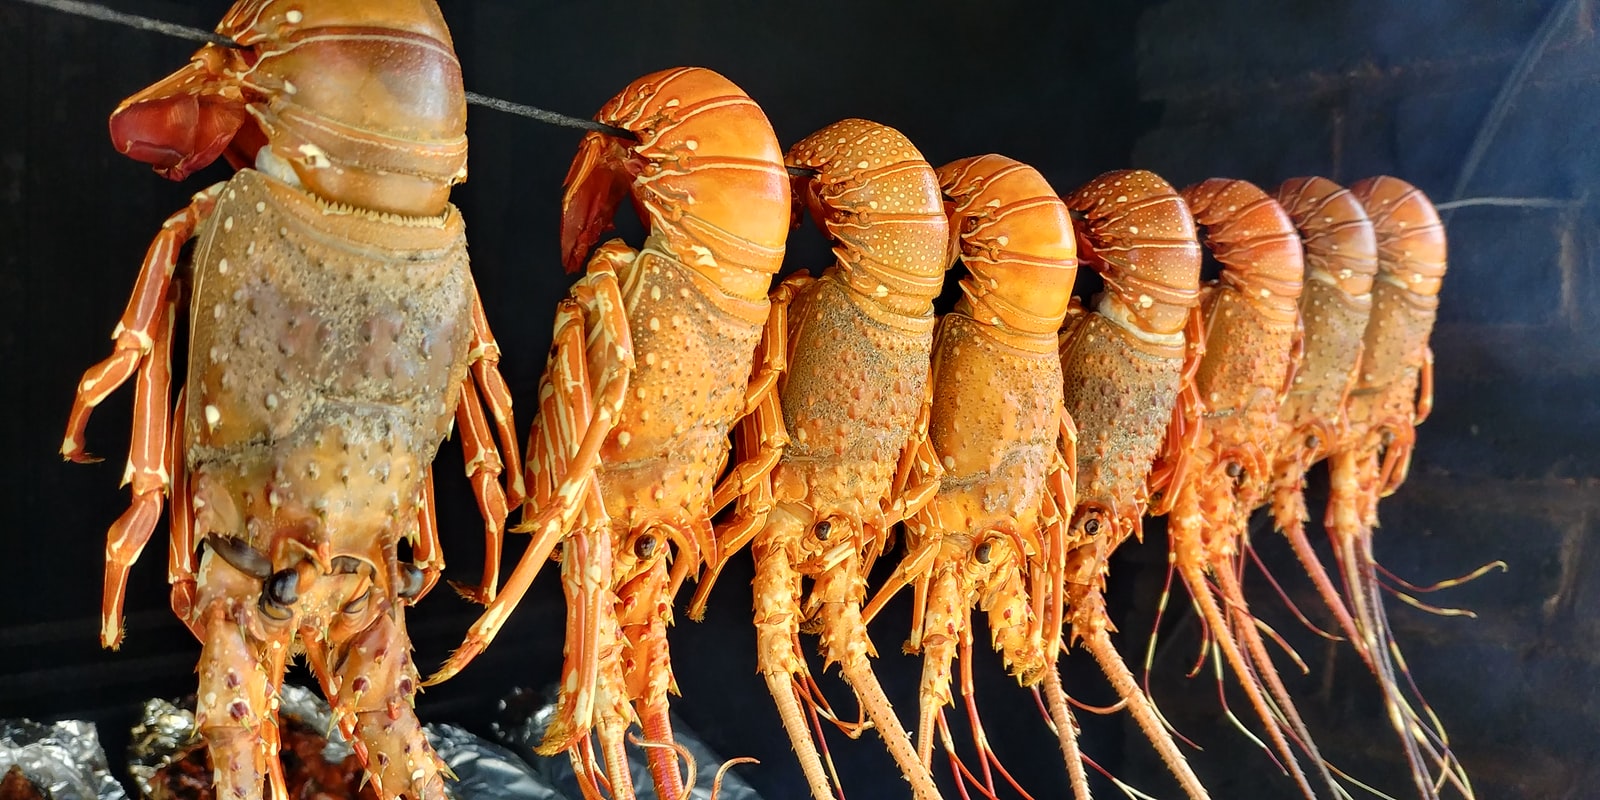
x=166 y=734
x=64 y=759
x=525 y=714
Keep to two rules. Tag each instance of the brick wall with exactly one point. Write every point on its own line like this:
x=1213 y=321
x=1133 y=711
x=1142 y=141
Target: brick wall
x=1506 y=468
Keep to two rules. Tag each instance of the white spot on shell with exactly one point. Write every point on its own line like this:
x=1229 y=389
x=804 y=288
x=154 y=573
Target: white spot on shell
x=213 y=417
x=227 y=224
x=294 y=16
x=623 y=437
x=316 y=158
x=222 y=265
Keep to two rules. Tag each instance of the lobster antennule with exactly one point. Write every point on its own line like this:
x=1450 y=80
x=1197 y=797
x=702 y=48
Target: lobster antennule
x=1015 y=236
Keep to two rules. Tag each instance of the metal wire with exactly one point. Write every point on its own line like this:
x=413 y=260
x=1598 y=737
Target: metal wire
x=96 y=11
x=103 y=14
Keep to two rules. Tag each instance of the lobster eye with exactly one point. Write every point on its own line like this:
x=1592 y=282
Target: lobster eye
x=983 y=553
x=241 y=556
x=410 y=581
x=822 y=530
x=1091 y=526
x=1312 y=442
x=1234 y=470
x=278 y=592
x=644 y=546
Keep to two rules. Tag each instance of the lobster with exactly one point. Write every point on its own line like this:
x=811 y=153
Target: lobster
x=1341 y=260
x=335 y=333
x=1392 y=393
x=1124 y=366
x=632 y=431
x=1007 y=445
x=1225 y=428
x=853 y=401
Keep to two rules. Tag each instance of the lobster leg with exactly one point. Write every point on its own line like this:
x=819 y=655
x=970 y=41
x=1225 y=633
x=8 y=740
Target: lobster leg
x=371 y=685
x=485 y=358
x=147 y=470
x=750 y=515
x=776 y=586
x=754 y=468
x=140 y=322
x=918 y=475
x=647 y=660
x=239 y=678
x=577 y=409
x=484 y=468
x=1061 y=496
x=425 y=550
x=181 y=565
x=918 y=560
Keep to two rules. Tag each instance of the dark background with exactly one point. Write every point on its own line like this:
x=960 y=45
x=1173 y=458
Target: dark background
x=1466 y=99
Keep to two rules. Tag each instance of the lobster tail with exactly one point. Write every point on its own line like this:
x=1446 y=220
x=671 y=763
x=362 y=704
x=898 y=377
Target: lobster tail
x=877 y=198
x=706 y=173
x=1015 y=237
x=1249 y=233
x=1411 y=267
x=1140 y=237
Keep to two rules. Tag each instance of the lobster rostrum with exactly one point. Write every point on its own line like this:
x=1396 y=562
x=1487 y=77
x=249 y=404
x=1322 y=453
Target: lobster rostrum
x=1004 y=439
x=854 y=400
x=1392 y=394
x=1225 y=429
x=1124 y=365
x=632 y=433
x=335 y=333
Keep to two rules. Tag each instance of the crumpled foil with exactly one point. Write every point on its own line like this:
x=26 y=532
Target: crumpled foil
x=166 y=736
x=526 y=714
x=63 y=758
